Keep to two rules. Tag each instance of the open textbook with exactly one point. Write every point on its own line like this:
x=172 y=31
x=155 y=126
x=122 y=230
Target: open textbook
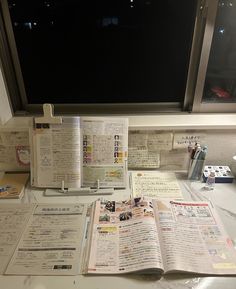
x=90 y=151
x=157 y=236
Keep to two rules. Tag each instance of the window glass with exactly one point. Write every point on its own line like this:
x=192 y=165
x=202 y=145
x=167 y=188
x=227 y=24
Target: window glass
x=103 y=51
x=220 y=82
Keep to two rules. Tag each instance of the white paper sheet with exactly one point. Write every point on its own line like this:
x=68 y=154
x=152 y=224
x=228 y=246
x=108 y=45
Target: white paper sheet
x=13 y=219
x=155 y=184
x=145 y=148
x=51 y=242
x=182 y=140
x=142 y=158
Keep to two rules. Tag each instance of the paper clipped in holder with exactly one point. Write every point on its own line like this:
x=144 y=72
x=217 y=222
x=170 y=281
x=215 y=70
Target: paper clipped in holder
x=48 y=115
x=49 y=118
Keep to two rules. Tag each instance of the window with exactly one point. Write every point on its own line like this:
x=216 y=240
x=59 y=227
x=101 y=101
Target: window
x=216 y=84
x=146 y=55
x=220 y=83
x=100 y=51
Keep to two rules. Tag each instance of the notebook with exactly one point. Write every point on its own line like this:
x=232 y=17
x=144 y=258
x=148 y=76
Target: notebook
x=12 y=185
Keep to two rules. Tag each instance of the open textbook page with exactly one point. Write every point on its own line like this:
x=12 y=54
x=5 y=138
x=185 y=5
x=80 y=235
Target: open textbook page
x=90 y=151
x=155 y=184
x=56 y=154
x=162 y=236
x=51 y=242
x=105 y=146
x=13 y=218
x=193 y=238
x=123 y=238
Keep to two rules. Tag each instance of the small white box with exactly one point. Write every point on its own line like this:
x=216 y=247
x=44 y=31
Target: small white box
x=223 y=174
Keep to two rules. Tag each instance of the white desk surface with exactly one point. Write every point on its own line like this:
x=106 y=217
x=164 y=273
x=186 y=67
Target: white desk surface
x=223 y=197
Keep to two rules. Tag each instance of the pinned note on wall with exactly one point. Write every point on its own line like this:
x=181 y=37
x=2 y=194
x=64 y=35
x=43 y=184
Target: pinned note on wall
x=184 y=139
x=152 y=140
x=142 y=158
x=14 y=150
x=160 y=141
x=145 y=148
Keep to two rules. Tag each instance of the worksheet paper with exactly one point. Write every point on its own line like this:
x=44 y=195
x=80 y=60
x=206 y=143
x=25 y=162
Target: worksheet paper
x=51 y=242
x=13 y=219
x=155 y=184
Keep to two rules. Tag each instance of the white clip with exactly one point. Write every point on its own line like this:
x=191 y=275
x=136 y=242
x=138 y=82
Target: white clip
x=48 y=117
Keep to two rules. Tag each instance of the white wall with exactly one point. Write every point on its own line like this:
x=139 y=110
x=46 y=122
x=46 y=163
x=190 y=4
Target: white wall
x=5 y=110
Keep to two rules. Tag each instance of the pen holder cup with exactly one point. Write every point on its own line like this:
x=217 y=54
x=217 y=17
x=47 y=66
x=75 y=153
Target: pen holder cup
x=196 y=170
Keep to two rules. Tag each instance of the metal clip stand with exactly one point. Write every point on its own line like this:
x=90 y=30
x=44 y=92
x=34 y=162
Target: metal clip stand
x=78 y=191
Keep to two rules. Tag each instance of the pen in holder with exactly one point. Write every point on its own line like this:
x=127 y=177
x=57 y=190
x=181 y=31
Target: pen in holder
x=196 y=170
x=197 y=164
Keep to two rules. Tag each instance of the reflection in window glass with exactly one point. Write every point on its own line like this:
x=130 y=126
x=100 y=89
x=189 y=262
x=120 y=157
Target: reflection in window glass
x=220 y=83
x=103 y=51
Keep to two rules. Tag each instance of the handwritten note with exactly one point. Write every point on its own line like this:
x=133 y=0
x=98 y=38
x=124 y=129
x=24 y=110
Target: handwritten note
x=182 y=140
x=145 y=148
x=142 y=158
x=155 y=184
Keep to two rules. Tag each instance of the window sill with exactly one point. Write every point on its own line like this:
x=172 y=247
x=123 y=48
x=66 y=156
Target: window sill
x=179 y=121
